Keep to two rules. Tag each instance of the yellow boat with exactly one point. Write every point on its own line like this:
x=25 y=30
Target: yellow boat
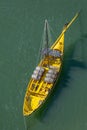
x=46 y=73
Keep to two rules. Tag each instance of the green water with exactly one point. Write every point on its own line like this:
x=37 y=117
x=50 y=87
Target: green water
x=21 y=28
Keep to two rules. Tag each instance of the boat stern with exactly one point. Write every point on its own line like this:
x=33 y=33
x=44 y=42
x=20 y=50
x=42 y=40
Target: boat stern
x=31 y=104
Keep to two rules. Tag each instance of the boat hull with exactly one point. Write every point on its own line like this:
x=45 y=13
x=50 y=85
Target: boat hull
x=45 y=74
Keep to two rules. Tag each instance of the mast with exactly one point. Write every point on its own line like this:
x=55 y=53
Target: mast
x=47 y=42
x=46 y=38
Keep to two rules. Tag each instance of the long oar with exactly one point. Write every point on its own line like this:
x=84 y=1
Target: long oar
x=65 y=28
x=69 y=24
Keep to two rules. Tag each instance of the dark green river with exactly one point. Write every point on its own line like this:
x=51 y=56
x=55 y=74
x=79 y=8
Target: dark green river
x=21 y=29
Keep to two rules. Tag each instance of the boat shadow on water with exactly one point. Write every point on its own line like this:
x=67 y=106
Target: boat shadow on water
x=70 y=61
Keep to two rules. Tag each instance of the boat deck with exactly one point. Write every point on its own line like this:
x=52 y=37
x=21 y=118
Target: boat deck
x=40 y=87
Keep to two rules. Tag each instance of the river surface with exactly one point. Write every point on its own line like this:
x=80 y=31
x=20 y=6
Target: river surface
x=21 y=29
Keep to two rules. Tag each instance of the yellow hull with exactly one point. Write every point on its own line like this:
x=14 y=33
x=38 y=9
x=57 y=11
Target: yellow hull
x=39 y=88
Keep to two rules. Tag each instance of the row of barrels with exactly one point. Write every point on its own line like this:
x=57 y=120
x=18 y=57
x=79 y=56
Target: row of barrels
x=37 y=73
x=51 y=76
